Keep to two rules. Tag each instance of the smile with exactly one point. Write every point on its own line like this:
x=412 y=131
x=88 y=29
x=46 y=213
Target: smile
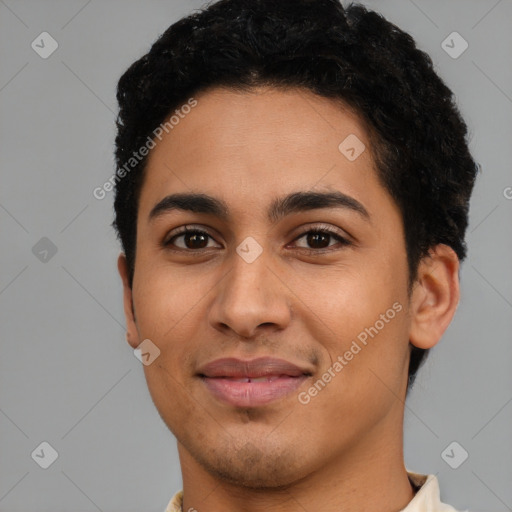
x=252 y=392
x=252 y=383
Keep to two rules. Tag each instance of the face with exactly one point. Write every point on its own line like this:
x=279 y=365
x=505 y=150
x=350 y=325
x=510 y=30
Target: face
x=316 y=282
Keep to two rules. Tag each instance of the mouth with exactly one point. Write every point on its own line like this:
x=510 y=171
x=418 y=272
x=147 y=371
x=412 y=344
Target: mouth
x=252 y=383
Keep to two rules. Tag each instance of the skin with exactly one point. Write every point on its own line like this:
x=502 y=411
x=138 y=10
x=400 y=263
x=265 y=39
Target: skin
x=247 y=149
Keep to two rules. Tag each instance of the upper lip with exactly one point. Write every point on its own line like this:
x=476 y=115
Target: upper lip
x=252 y=368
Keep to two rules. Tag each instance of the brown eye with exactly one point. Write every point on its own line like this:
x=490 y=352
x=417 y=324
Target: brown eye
x=190 y=239
x=195 y=240
x=318 y=239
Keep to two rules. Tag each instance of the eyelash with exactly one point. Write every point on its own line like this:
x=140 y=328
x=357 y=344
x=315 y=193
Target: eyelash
x=316 y=230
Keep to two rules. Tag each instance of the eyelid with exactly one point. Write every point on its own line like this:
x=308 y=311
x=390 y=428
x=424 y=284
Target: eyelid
x=324 y=227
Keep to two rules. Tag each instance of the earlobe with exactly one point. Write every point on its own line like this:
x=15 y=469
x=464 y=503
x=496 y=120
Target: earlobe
x=132 y=334
x=435 y=296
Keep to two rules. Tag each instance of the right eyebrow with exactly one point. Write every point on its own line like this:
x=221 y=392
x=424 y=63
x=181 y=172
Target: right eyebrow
x=197 y=203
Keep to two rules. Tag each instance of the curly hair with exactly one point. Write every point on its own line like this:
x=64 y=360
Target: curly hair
x=352 y=54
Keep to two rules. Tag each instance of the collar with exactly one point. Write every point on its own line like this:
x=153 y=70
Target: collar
x=427 y=498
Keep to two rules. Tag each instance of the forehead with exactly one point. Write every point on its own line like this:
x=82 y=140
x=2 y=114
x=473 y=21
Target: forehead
x=247 y=147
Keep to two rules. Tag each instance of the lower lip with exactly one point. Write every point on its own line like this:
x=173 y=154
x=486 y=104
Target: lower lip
x=252 y=394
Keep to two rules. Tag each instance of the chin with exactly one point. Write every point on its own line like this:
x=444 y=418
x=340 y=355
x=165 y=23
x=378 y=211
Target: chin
x=253 y=467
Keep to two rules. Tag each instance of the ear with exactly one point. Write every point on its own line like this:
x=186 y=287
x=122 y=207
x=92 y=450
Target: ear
x=435 y=296
x=132 y=334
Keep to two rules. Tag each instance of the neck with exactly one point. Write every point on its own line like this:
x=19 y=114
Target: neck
x=370 y=476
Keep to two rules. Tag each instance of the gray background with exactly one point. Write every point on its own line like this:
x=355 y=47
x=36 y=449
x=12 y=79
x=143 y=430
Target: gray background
x=67 y=375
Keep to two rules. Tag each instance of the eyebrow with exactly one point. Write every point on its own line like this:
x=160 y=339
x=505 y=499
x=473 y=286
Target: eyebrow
x=279 y=208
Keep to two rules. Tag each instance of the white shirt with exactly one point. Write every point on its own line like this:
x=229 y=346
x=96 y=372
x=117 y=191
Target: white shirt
x=427 y=498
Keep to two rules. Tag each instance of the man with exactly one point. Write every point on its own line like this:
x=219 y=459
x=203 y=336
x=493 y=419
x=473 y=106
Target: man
x=292 y=195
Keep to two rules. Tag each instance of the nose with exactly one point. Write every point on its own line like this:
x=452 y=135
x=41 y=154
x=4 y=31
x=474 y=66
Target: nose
x=250 y=298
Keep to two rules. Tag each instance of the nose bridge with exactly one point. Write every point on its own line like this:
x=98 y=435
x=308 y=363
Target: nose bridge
x=249 y=267
x=251 y=294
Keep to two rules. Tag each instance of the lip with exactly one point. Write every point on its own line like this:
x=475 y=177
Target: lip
x=232 y=380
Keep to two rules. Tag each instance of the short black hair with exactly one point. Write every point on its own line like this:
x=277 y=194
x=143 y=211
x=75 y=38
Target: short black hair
x=352 y=54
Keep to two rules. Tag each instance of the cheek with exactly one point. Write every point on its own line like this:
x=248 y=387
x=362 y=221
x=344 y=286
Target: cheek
x=360 y=317
x=171 y=396
x=342 y=302
x=363 y=376
x=166 y=299
x=168 y=309
x=168 y=304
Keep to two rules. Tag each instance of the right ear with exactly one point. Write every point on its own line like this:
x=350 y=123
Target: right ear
x=132 y=333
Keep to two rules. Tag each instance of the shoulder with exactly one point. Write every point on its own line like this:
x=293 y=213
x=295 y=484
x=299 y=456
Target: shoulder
x=427 y=498
x=175 y=505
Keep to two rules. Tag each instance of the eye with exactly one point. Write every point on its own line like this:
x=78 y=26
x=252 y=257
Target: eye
x=318 y=239
x=191 y=239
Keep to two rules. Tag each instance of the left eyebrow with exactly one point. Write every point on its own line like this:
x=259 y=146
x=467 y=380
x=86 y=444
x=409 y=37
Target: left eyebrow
x=279 y=208
x=304 y=201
